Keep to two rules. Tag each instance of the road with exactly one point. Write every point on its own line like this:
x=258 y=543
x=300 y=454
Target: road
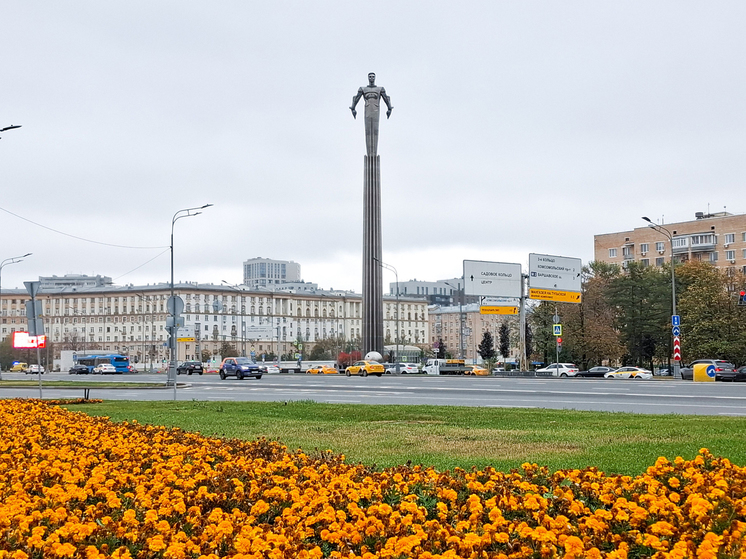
x=654 y=397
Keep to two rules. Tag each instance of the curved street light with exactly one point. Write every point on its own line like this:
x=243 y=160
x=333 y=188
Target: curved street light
x=186 y=212
x=667 y=233
x=8 y=262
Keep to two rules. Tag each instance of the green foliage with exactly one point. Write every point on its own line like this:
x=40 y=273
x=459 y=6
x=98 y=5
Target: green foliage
x=486 y=347
x=504 y=347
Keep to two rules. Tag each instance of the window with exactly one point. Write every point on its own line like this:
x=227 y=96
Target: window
x=645 y=262
x=730 y=254
x=707 y=239
x=730 y=238
x=743 y=253
x=628 y=251
x=659 y=261
x=680 y=242
x=612 y=253
x=659 y=246
x=743 y=236
x=713 y=257
x=644 y=247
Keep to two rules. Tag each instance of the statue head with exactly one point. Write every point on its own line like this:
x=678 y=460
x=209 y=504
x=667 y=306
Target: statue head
x=372 y=78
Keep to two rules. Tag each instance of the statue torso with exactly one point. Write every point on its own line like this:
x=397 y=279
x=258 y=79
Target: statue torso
x=372 y=95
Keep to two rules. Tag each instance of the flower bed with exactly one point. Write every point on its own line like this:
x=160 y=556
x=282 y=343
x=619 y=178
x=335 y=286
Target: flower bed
x=72 y=485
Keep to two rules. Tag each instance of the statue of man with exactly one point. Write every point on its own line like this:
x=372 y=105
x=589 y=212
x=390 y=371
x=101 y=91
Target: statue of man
x=373 y=95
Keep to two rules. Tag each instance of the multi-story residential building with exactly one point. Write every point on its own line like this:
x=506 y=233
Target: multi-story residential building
x=264 y=272
x=73 y=280
x=132 y=319
x=440 y=292
x=445 y=322
x=718 y=238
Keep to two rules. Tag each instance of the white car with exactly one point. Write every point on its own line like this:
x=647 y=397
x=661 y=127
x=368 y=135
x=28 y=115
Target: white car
x=34 y=369
x=404 y=368
x=637 y=373
x=104 y=369
x=560 y=369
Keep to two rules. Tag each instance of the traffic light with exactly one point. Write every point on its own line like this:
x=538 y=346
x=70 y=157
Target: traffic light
x=559 y=342
x=742 y=298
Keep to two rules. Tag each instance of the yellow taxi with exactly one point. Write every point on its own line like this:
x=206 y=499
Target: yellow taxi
x=19 y=368
x=478 y=371
x=322 y=370
x=365 y=368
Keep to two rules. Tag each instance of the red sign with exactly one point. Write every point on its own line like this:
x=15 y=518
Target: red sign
x=22 y=340
x=676 y=349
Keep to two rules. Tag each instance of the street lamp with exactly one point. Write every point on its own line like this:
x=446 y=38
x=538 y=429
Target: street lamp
x=460 y=319
x=390 y=268
x=187 y=212
x=8 y=262
x=667 y=233
x=11 y=127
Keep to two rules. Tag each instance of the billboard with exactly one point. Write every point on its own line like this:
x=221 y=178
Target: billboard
x=492 y=279
x=554 y=278
x=22 y=340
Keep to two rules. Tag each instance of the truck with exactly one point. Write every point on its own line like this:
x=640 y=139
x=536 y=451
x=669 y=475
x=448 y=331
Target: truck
x=446 y=367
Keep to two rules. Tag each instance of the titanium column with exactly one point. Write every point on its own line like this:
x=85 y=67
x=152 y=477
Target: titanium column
x=372 y=250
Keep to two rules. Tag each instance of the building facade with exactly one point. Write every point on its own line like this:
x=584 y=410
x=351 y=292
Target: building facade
x=718 y=238
x=132 y=319
x=445 y=322
x=264 y=272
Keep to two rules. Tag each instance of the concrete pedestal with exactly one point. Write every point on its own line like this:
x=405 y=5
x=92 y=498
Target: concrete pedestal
x=372 y=331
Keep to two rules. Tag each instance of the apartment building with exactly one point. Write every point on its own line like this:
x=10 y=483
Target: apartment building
x=132 y=319
x=264 y=272
x=718 y=238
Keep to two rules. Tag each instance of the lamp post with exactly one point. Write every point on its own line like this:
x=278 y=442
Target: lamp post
x=390 y=268
x=667 y=233
x=460 y=318
x=8 y=262
x=11 y=127
x=187 y=212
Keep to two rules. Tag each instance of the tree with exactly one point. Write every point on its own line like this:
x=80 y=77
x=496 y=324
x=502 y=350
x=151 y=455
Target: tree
x=541 y=324
x=529 y=335
x=504 y=346
x=227 y=349
x=318 y=353
x=486 y=347
x=442 y=349
x=206 y=355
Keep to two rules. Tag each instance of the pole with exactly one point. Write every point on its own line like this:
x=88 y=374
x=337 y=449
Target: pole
x=522 y=325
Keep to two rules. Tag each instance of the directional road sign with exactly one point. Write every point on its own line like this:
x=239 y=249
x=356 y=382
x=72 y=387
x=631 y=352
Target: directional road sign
x=554 y=278
x=492 y=279
x=676 y=349
x=554 y=295
x=175 y=305
x=676 y=330
x=490 y=309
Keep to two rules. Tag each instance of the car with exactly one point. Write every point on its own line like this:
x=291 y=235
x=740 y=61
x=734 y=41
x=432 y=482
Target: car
x=498 y=370
x=723 y=369
x=595 y=372
x=322 y=370
x=104 y=369
x=560 y=370
x=663 y=372
x=19 y=367
x=35 y=369
x=637 y=373
x=365 y=368
x=404 y=369
x=269 y=369
x=478 y=371
x=78 y=370
x=740 y=374
x=190 y=367
x=239 y=367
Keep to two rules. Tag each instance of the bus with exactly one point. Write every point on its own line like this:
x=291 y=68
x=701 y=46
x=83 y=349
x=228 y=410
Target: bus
x=121 y=362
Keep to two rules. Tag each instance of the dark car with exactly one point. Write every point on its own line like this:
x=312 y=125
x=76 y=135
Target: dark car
x=190 y=367
x=239 y=367
x=723 y=369
x=78 y=370
x=595 y=372
x=741 y=374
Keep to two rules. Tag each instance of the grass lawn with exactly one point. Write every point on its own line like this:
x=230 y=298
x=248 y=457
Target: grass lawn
x=448 y=437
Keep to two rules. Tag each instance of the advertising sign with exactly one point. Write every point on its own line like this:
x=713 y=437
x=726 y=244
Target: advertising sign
x=22 y=340
x=492 y=279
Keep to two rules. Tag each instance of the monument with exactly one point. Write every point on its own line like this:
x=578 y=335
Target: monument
x=372 y=274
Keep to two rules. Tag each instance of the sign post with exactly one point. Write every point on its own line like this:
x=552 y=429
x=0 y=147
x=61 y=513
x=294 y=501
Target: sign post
x=33 y=288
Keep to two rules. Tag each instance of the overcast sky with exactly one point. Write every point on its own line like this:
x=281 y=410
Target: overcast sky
x=517 y=127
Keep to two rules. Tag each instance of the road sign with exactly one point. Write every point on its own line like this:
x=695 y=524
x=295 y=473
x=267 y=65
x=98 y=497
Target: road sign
x=175 y=305
x=489 y=309
x=676 y=349
x=186 y=339
x=32 y=287
x=676 y=320
x=559 y=273
x=554 y=295
x=492 y=279
x=676 y=330
x=557 y=328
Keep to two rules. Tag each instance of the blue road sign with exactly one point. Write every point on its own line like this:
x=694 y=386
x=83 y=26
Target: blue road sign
x=676 y=331
x=710 y=371
x=676 y=320
x=557 y=329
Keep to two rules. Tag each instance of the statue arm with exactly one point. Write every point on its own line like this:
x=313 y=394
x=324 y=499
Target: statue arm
x=355 y=99
x=386 y=100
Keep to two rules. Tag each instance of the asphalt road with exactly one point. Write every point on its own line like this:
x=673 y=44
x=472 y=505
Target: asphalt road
x=655 y=396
